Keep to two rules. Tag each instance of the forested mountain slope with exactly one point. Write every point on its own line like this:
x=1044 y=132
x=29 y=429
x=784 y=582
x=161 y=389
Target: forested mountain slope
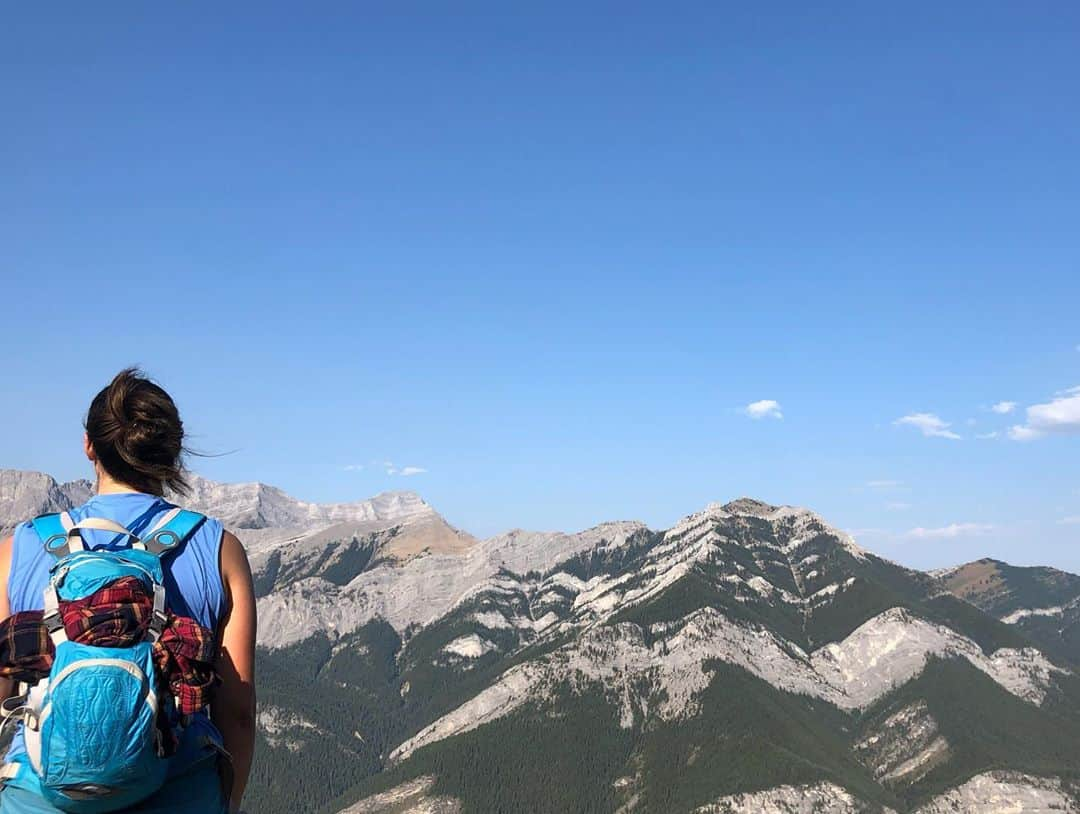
x=751 y=658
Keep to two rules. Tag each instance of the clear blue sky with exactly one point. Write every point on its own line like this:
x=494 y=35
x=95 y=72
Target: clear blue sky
x=550 y=255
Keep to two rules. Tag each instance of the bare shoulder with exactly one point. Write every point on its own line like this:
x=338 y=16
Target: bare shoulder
x=6 y=546
x=233 y=556
x=235 y=569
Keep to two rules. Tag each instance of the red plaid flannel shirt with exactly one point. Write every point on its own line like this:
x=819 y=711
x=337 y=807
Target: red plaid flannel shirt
x=117 y=615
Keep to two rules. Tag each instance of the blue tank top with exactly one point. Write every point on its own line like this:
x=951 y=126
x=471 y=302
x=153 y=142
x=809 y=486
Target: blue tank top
x=192 y=583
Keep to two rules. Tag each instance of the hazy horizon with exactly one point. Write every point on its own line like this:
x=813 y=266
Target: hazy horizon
x=861 y=536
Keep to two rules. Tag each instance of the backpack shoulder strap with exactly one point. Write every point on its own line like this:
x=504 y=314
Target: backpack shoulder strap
x=53 y=530
x=168 y=534
x=172 y=530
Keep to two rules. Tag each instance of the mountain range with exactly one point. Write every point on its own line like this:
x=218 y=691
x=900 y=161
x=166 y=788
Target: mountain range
x=752 y=658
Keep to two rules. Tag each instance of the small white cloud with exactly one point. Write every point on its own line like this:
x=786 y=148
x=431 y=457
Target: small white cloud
x=1004 y=407
x=353 y=467
x=897 y=506
x=951 y=531
x=1059 y=416
x=1074 y=520
x=1018 y=432
x=988 y=435
x=766 y=408
x=884 y=484
x=929 y=425
x=403 y=471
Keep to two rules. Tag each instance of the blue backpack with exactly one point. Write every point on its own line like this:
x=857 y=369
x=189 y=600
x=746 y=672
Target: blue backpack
x=91 y=727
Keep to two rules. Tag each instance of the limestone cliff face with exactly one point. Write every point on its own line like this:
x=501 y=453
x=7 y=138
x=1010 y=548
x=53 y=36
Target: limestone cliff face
x=24 y=495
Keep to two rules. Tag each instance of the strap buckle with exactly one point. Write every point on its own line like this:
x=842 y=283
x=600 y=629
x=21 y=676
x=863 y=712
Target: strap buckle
x=53 y=621
x=8 y=773
x=160 y=617
x=51 y=617
x=18 y=708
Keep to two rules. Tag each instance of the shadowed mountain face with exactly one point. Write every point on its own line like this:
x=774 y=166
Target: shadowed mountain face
x=1007 y=591
x=751 y=658
x=1042 y=603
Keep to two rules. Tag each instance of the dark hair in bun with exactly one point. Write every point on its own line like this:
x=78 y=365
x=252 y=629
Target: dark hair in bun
x=137 y=435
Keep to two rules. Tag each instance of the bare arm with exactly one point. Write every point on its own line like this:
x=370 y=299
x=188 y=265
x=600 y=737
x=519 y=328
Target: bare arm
x=7 y=686
x=233 y=709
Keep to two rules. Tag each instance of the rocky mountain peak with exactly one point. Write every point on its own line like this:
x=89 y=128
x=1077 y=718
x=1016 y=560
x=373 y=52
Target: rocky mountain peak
x=248 y=506
x=24 y=495
x=260 y=506
x=750 y=506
